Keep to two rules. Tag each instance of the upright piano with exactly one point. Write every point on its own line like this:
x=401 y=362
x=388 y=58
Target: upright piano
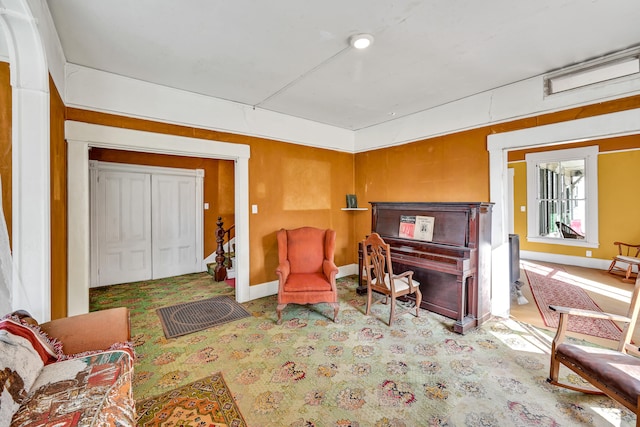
x=453 y=267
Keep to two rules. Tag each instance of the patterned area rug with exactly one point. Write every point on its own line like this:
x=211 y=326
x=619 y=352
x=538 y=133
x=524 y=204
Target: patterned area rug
x=207 y=402
x=356 y=372
x=554 y=287
x=182 y=319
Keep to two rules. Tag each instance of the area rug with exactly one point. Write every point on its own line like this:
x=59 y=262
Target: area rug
x=548 y=289
x=207 y=402
x=182 y=319
x=358 y=372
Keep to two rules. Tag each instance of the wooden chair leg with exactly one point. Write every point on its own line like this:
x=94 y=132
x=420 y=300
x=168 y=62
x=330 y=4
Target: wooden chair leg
x=613 y=263
x=369 y=296
x=554 y=369
x=393 y=310
x=336 y=307
x=279 y=309
x=418 y=302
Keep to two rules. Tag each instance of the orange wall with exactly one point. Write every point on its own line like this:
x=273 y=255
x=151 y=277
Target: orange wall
x=292 y=185
x=453 y=167
x=58 y=154
x=5 y=141
x=58 y=185
x=218 y=184
x=296 y=185
x=450 y=168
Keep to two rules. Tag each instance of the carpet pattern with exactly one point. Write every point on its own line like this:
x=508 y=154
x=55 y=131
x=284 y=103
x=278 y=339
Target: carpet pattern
x=312 y=372
x=207 y=402
x=553 y=287
x=194 y=316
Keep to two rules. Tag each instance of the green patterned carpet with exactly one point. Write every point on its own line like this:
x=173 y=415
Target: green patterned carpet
x=310 y=371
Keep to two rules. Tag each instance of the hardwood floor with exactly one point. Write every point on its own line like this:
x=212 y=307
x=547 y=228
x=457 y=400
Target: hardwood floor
x=608 y=287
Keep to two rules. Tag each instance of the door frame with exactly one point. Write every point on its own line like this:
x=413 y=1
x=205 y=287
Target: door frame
x=81 y=136
x=95 y=166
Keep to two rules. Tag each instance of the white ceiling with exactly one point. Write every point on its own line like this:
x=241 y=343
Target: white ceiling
x=293 y=56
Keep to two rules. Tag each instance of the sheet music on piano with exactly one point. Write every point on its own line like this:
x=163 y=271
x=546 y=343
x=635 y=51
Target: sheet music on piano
x=448 y=247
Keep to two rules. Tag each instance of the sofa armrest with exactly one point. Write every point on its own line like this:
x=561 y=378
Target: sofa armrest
x=97 y=330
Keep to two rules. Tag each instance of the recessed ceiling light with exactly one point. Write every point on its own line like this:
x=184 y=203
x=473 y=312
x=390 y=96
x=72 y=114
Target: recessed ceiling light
x=361 y=41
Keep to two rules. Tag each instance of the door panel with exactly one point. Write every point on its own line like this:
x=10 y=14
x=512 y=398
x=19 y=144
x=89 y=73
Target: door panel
x=123 y=213
x=174 y=226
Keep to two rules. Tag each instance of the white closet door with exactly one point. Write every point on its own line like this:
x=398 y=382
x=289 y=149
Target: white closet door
x=123 y=204
x=173 y=226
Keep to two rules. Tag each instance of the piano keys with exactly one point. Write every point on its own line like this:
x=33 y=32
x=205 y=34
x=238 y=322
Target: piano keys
x=454 y=268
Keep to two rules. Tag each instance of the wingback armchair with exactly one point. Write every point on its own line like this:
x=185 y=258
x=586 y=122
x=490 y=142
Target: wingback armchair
x=306 y=270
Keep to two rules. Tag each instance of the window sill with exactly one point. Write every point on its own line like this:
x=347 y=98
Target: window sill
x=564 y=242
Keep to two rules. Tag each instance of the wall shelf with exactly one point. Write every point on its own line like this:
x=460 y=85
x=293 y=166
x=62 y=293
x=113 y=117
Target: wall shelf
x=355 y=209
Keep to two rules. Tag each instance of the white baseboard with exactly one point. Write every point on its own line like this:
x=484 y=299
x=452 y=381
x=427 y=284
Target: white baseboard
x=578 y=261
x=271 y=288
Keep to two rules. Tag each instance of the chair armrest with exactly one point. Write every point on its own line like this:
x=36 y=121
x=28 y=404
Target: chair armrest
x=283 y=271
x=97 y=330
x=626 y=244
x=408 y=273
x=330 y=270
x=589 y=313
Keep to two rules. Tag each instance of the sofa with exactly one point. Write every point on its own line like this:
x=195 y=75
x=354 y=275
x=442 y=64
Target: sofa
x=75 y=371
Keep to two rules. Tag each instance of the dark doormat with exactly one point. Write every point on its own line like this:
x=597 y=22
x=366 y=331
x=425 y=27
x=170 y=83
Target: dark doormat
x=182 y=319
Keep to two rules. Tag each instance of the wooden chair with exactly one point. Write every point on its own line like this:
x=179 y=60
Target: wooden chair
x=306 y=270
x=568 y=232
x=615 y=373
x=380 y=277
x=629 y=256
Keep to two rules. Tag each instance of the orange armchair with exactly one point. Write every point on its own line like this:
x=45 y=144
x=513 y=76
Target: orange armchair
x=306 y=270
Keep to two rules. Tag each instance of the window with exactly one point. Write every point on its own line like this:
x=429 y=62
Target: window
x=562 y=197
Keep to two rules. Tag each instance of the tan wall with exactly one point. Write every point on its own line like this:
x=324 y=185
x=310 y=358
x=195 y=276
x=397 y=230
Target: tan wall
x=292 y=185
x=218 y=184
x=617 y=209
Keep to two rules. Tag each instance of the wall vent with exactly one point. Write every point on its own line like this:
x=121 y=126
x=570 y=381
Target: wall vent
x=593 y=72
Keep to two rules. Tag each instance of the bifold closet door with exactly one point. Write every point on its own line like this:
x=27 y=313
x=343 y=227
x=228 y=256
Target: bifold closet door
x=123 y=201
x=174 y=235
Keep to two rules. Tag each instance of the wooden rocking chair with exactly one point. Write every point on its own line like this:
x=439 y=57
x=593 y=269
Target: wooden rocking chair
x=615 y=373
x=629 y=256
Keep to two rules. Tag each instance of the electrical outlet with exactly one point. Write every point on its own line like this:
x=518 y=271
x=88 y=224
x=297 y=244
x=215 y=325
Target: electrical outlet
x=254 y=209
x=588 y=253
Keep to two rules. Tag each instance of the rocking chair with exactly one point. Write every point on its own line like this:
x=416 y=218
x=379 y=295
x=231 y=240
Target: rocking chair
x=629 y=256
x=615 y=373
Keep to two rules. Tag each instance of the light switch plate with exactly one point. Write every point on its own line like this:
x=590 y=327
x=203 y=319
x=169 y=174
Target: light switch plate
x=254 y=209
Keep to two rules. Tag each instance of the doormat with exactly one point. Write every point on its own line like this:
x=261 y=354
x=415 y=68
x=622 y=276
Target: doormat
x=553 y=287
x=207 y=402
x=182 y=319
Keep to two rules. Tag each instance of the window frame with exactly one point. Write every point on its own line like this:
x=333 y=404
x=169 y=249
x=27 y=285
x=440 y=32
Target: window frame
x=590 y=157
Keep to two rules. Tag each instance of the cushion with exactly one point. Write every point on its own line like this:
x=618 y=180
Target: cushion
x=93 y=390
x=24 y=350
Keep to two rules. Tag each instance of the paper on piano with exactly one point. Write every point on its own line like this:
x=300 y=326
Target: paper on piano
x=424 y=228
x=407 y=226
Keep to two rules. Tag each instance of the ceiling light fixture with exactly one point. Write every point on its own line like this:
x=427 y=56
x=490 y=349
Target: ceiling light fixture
x=361 y=41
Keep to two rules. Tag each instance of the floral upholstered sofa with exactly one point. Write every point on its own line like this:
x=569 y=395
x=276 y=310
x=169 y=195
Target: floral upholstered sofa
x=75 y=371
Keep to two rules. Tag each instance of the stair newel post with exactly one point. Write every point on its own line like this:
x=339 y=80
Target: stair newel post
x=220 y=272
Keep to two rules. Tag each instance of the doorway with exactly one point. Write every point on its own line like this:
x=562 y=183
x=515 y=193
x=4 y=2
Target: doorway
x=146 y=222
x=81 y=136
